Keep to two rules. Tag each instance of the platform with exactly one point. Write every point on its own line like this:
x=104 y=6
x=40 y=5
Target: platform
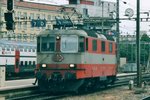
x=16 y=84
x=24 y=83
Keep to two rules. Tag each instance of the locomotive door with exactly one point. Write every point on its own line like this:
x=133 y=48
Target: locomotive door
x=17 y=59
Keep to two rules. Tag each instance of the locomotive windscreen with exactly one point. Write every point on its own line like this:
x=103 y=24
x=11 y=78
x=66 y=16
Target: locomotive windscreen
x=69 y=44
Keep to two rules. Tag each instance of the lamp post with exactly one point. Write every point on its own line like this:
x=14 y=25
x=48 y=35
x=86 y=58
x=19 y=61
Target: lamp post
x=118 y=33
x=138 y=45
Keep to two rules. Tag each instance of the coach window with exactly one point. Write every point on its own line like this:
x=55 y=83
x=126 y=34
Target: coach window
x=25 y=50
x=12 y=49
x=29 y=50
x=103 y=46
x=21 y=49
x=81 y=44
x=8 y=49
x=29 y=62
x=33 y=62
x=26 y=63
x=94 y=45
x=110 y=47
x=17 y=63
x=21 y=63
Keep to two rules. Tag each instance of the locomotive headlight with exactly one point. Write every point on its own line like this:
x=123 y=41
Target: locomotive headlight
x=43 y=65
x=58 y=37
x=72 y=65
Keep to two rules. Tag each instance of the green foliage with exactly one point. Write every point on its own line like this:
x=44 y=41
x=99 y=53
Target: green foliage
x=145 y=38
x=128 y=49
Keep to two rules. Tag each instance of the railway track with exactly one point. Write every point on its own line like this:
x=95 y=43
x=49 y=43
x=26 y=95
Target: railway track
x=38 y=96
x=32 y=94
x=18 y=77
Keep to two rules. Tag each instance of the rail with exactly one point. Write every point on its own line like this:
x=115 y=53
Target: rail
x=32 y=93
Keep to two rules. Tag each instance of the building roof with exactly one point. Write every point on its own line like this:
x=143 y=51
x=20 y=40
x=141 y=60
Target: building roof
x=40 y=6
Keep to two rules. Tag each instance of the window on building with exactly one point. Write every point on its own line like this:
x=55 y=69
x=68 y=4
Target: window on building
x=2 y=13
x=49 y=17
x=19 y=16
x=43 y=16
x=53 y=17
x=85 y=11
x=48 y=26
x=37 y=16
x=103 y=46
x=94 y=45
x=25 y=18
x=31 y=16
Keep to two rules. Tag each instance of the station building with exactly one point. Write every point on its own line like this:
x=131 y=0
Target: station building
x=24 y=12
x=97 y=14
x=94 y=14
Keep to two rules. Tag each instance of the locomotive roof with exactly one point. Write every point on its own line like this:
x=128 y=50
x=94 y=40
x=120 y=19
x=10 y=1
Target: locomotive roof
x=17 y=43
x=86 y=33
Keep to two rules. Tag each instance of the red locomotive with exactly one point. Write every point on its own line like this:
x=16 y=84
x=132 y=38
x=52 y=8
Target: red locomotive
x=70 y=59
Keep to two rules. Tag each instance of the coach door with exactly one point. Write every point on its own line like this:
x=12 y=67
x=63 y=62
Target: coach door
x=17 y=58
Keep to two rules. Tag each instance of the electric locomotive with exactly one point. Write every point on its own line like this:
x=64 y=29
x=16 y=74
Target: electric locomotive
x=68 y=60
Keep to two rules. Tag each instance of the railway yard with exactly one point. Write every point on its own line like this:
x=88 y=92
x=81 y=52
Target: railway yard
x=24 y=90
x=73 y=50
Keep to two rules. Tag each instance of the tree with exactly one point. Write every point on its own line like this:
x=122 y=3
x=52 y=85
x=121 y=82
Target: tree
x=145 y=38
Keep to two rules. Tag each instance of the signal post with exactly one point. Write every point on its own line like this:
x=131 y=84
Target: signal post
x=9 y=26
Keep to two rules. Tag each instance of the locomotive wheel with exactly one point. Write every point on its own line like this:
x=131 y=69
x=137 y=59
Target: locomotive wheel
x=42 y=85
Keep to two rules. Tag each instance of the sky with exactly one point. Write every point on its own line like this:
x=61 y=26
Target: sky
x=129 y=27
x=55 y=2
x=126 y=27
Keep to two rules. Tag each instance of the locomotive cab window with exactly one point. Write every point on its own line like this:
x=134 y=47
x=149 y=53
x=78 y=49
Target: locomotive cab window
x=69 y=44
x=94 y=45
x=48 y=44
x=110 y=47
x=103 y=46
x=81 y=44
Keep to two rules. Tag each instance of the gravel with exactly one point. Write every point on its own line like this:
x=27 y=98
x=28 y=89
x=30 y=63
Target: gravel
x=118 y=93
